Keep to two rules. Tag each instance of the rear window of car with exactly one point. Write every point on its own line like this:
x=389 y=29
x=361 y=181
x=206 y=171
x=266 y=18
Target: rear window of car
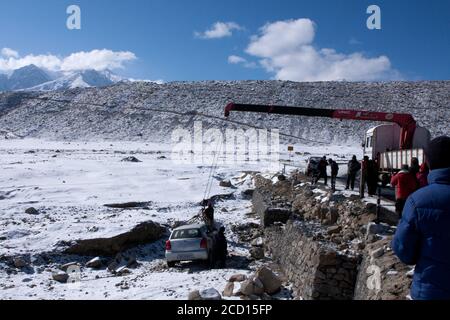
x=186 y=234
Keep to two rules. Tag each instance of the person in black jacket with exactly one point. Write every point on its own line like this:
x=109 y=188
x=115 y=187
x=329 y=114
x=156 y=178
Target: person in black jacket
x=208 y=216
x=323 y=164
x=353 y=168
x=334 y=172
x=221 y=248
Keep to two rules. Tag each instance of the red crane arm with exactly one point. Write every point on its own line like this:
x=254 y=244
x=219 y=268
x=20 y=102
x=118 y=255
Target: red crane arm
x=405 y=121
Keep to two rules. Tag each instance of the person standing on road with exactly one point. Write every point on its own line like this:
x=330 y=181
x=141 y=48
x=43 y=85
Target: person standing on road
x=352 y=170
x=334 y=172
x=208 y=216
x=405 y=184
x=415 y=167
x=323 y=164
x=364 y=176
x=423 y=237
x=221 y=248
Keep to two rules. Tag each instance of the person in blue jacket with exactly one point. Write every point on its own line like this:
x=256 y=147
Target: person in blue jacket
x=423 y=234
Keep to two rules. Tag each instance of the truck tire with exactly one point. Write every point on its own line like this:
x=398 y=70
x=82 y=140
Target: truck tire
x=171 y=264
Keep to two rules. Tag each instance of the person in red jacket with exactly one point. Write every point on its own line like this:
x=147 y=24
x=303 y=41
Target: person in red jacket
x=405 y=184
x=422 y=175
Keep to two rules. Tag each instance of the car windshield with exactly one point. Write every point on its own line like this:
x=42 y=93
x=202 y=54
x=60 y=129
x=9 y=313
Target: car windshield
x=186 y=234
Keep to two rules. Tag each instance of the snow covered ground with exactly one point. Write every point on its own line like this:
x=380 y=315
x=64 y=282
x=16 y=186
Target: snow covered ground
x=69 y=183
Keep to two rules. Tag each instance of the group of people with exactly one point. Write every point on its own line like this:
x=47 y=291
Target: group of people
x=322 y=171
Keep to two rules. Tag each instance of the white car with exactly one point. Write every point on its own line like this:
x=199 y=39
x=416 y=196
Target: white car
x=189 y=243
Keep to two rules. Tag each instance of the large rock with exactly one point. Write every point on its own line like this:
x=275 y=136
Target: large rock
x=229 y=289
x=94 y=263
x=207 y=294
x=143 y=233
x=60 y=276
x=252 y=286
x=32 y=211
x=131 y=159
x=238 y=278
x=257 y=253
x=226 y=184
x=20 y=262
x=273 y=215
x=271 y=282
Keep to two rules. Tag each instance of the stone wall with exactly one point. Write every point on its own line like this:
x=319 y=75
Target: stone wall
x=329 y=246
x=315 y=268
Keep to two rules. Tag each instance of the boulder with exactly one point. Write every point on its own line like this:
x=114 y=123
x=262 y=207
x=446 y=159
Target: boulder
x=270 y=280
x=257 y=253
x=122 y=262
x=131 y=159
x=60 y=276
x=121 y=271
x=334 y=230
x=258 y=242
x=194 y=295
x=252 y=287
x=210 y=294
x=226 y=184
x=143 y=233
x=19 y=262
x=66 y=266
x=247 y=287
x=377 y=253
x=32 y=211
x=238 y=278
x=229 y=290
x=272 y=215
x=258 y=287
x=94 y=263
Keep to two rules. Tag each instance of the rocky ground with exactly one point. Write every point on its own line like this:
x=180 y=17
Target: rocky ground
x=98 y=215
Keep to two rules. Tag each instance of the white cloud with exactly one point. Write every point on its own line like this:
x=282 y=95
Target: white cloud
x=9 y=53
x=236 y=60
x=240 y=60
x=219 y=30
x=285 y=49
x=96 y=59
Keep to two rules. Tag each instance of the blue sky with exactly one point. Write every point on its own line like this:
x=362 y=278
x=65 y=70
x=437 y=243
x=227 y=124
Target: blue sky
x=413 y=44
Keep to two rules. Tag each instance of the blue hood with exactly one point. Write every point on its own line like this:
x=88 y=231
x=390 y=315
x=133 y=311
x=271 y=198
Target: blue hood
x=440 y=176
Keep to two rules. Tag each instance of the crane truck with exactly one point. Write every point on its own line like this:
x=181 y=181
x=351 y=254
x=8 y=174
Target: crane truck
x=391 y=145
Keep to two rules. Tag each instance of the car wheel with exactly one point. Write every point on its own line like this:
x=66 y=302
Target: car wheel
x=171 y=264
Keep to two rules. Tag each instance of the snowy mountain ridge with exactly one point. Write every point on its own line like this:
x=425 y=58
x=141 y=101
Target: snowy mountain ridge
x=32 y=78
x=140 y=111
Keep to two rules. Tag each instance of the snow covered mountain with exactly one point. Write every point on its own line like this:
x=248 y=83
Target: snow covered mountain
x=32 y=78
x=142 y=111
x=27 y=77
x=79 y=79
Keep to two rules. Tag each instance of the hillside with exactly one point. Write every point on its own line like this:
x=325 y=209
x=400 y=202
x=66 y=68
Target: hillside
x=149 y=112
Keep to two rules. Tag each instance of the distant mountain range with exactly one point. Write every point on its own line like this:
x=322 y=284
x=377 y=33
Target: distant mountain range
x=33 y=78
